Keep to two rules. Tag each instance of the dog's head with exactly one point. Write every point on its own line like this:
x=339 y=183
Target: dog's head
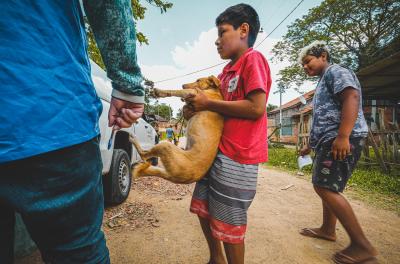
x=206 y=83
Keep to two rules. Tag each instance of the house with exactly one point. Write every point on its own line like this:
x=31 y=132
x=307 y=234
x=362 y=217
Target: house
x=295 y=115
x=380 y=82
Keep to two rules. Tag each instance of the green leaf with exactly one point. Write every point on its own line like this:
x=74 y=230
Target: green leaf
x=356 y=31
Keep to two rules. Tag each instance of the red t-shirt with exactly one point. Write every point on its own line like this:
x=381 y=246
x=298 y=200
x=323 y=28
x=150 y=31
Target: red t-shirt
x=245 y=140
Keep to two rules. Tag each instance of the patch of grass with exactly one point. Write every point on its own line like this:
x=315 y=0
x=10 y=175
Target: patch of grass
x=373 y=180
x=285 y=158
x=368 y=184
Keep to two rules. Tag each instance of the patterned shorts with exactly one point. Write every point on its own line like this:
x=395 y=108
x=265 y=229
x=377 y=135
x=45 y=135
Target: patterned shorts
x=334 y=174
x=224 y=195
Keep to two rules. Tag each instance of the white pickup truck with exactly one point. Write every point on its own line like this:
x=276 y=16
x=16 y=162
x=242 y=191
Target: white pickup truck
x=117 y=160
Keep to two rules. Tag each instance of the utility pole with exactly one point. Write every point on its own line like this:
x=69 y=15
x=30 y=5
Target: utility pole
x=280 y=87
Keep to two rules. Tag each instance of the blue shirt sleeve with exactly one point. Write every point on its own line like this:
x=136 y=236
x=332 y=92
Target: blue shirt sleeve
x=114 y=29
x=342 y=78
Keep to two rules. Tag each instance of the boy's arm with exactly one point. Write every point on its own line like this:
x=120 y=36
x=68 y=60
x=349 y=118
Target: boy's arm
x=350 y=99
x=253 y=107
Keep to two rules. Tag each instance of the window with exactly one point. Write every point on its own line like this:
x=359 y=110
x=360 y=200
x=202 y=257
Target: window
x=287 y=126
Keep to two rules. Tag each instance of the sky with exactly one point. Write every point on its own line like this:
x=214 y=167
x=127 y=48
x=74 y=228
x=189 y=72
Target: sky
x=182 y=41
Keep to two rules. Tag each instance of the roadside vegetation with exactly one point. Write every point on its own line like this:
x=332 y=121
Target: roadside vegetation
x=367 y=183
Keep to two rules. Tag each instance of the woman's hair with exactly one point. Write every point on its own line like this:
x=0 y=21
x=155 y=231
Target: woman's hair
x=316 y=49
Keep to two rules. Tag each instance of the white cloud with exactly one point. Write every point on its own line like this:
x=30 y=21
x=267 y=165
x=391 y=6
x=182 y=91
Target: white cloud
x=202 y=54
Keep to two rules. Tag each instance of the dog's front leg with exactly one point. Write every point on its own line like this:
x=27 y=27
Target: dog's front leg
x=168 y=93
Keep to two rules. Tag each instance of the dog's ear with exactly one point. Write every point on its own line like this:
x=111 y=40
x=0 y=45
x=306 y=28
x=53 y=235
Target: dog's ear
x=214 y=80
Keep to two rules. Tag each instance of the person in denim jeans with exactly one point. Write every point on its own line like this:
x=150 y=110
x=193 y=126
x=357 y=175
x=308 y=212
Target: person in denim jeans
x=50 y=163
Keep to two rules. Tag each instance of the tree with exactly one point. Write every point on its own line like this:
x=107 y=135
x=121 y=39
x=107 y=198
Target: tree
x=356 y=31
x=162 y=110
x=180 y=113
x=139 y=12
x=271 y=107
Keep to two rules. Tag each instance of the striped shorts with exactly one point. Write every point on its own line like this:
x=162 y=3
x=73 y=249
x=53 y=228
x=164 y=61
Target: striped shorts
x=224 y=195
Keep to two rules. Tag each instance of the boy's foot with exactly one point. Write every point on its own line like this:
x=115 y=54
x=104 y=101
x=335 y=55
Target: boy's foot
x=340 y=258
x=317 y=233
x=217 y=262
x=356 y=255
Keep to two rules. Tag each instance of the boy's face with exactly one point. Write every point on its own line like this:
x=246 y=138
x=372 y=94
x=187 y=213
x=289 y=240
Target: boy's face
x=314 y=66
x=231 y=41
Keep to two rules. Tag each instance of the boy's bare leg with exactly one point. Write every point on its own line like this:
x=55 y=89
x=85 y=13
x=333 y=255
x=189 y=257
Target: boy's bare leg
x=360 y=248
x=234 y=253
x=214 y=245
x=328 y=227
x=329 y=220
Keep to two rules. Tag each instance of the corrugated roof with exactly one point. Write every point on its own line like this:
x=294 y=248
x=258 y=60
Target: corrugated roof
x=381 y=80
x=305 y=110
x=294 y=102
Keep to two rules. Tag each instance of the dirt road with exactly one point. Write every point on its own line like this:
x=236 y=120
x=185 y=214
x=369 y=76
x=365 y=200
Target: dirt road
x=155 y=226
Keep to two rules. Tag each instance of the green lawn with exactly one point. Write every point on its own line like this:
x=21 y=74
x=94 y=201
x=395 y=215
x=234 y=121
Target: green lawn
x=368 y=184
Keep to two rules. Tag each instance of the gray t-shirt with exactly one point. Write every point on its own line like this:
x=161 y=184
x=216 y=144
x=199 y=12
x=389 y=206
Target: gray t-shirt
x=327 y=106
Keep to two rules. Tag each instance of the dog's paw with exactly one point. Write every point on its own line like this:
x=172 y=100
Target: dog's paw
x=153 y=92
x=139 y=168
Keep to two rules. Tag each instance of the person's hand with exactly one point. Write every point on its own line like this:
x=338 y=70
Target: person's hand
x=197 y=101
x=305 y=150
x=188 y=112
x=340 y=147
x=123 y=114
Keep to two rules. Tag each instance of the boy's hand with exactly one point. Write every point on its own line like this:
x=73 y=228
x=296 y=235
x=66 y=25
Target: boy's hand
x=305 y=150
x=188 y=112
x=198 y=101
x=340 y=147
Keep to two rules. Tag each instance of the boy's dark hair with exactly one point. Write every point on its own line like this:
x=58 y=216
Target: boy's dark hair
x=237 y=15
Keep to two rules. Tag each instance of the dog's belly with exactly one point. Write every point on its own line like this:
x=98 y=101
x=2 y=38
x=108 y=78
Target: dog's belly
x=204 y=129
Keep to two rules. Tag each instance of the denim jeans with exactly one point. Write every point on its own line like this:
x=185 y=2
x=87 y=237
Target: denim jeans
x=59 y=195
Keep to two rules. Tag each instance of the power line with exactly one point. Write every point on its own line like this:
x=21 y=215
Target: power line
x=213 y=66
x=183 y=75
x=281 y=22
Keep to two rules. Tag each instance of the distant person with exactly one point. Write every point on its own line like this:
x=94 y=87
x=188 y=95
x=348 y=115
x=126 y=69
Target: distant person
x=337 y=136
x=221 y=199
x=50 y=162
x=157 y=129
x=176 y=134
x=170 y=133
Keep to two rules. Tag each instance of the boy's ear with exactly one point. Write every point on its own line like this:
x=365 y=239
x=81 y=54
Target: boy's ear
x=244 y=29
x=324 y=55
x=214 y=80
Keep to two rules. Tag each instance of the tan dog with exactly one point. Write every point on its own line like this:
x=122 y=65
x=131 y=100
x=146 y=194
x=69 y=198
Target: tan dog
x=203 y=135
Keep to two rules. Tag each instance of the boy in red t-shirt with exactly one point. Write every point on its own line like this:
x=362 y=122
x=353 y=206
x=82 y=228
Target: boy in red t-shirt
x=222 y=197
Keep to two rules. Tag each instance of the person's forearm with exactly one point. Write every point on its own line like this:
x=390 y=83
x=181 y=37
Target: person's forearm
x=350 y=106
x=113 y=27
x=243 y=108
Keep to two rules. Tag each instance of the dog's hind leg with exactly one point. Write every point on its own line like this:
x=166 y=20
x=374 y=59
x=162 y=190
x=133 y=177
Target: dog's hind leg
x=146 y=169
x=163 y=148
x=142 y=153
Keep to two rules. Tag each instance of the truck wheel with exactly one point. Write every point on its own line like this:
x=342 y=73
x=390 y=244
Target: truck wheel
x=117 y=183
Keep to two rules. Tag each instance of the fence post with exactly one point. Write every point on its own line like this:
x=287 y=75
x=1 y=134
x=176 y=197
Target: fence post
x=376 y=150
